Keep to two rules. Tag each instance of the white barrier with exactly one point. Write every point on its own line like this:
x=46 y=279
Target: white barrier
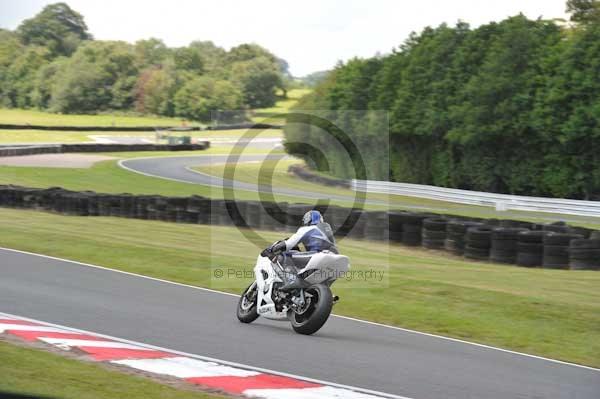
x=502 y=202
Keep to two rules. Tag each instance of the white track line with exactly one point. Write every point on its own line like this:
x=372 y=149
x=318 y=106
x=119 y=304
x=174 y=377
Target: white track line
x=184 y=367
x=7 y=327
x=69 y=342
x=334 y=315
x=141 y=345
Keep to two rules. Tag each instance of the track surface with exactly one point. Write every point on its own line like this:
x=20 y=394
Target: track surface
x=177 y=168
x=344 y=351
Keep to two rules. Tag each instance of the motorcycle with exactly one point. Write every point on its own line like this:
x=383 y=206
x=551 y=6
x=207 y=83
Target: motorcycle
x=300 y=293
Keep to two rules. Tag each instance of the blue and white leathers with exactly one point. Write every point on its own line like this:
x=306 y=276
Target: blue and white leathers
x=315 y=238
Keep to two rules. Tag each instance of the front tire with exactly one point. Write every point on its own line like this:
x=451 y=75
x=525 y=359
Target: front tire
x=246 y=308
x=310 y=321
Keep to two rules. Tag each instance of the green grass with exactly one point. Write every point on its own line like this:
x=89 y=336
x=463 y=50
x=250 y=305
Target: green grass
x=42 y=136
x=108 y=177
x=276 y=114
x=34 y=117
x=41 y=374
x=50 y=136
x=554 y=313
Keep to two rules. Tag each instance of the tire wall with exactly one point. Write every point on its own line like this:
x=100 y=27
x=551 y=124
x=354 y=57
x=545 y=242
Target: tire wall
x=508 y=242
x=94 y=147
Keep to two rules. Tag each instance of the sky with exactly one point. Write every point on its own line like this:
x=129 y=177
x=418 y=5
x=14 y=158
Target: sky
x=312 y=35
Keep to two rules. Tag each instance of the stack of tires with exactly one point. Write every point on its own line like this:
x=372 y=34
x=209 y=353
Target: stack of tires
x=478 y=242
x=556 y=227
x=411 y=227
x=455 y=235
x=395 y=226
x=377 y=228
x=584 y=254
x=357 y=223
x=503 y=247
x=530 y=248
x=582 y=231
x=556 y=250
x=433 y=233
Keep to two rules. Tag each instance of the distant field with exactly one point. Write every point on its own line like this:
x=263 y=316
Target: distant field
x=554 y=313
x=274 y=114
x=33 y=117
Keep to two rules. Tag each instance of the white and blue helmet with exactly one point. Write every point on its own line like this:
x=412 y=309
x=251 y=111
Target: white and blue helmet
x=311 y=218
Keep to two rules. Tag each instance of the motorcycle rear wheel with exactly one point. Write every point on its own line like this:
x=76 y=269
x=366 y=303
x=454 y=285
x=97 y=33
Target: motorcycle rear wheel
x=246 y=308
x=310 y=321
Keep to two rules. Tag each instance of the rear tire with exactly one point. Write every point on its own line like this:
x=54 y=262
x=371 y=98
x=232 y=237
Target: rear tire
x=246 y=308
x=308 y=324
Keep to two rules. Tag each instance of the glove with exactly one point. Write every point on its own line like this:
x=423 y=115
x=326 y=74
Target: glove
x=266 y=253
x=274 y=249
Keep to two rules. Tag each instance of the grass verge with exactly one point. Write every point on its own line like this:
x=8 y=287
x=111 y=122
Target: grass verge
x=50 y=136
x=40 y=374
x=553 y=313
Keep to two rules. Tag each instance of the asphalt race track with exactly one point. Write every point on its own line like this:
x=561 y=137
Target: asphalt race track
x=177 y=168
x=344 y=351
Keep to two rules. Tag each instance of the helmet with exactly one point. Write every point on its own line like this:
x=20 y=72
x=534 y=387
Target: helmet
x=312 y=217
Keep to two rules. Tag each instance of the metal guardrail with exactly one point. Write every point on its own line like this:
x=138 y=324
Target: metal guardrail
x=501 y=202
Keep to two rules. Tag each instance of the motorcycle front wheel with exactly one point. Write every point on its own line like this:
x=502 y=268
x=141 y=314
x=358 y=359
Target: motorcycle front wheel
x=246 y=308
x=310 y=319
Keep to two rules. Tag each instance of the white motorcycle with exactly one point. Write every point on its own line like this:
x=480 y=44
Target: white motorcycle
x=306 y=300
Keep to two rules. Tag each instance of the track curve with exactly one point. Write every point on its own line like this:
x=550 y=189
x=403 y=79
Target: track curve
x=345 y=351
x=177 y=168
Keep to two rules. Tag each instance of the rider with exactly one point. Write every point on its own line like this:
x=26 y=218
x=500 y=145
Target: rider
x=316 y=236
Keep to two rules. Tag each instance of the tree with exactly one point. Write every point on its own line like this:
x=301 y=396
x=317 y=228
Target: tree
x=44 y=82
x=21 y=76
x=247 y=52
x=509 y=107
x=258 y=80
x=150 y=52
x=584 y=10
x=99 y=76
x=212 y=56
x=56 y=27
x=188 y=59
x=155 y=89
x=201 y=97
x=10 y=48
x=568 y=114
